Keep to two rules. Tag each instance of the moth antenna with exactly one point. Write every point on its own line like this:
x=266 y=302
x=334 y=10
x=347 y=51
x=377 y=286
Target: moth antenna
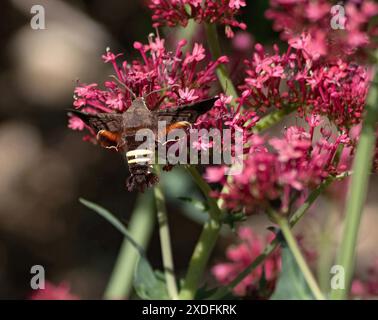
x=158 y=90
x=125 y=86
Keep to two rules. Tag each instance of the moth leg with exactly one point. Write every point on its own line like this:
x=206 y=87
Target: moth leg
x=108 y=139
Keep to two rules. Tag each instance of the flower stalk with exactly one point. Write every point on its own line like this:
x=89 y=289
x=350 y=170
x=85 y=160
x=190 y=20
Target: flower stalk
x=211 y=228
x=362 y=165
x=273 y=118
x=141 y=227
x=295 y=250
x=165 y=242
x=206 y=242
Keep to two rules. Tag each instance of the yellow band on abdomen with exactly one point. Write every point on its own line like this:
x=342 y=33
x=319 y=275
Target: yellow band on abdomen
x=140 y=156
x=138 y=152
x=139 y=160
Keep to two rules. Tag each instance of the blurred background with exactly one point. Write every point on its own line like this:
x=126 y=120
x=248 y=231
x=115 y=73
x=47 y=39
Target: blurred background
x=45 y=167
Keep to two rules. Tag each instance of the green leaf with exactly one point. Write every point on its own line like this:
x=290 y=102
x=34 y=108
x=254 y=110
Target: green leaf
x=200 y=205
x=180 y=183
x=114 y=221
x=291 y=284
x=148 y=284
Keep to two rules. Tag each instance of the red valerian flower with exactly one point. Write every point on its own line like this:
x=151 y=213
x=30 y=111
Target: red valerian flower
x=178 y=12
x=75 y=123
x=277 y=170
x=240 y=257
x=53 y=292
x=187 y=95
x=334 y=33
x=165 y=78
x=235 y=123
x=299 y=78
x=243 y=41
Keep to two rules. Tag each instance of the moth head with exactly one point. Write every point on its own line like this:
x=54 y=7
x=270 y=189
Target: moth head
x=138 y=103
x=138 y=116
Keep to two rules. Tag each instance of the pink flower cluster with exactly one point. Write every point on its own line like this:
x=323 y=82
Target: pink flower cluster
x=181 y=79
x=278 y=170
x=350 y=33
x=178 y=12
x=226 y=116
x=241 y=256
x=54 y=292
x=298 y=78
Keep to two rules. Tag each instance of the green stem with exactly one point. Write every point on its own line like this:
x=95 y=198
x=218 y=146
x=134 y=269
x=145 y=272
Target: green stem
x=297 y=215
x=273 y=118
x=222 y=74
x=273 y=245
x=186 y=32
x=199 y=259
x=214 y=211
x=141 y=227
x=206 y=242
x=325 y=248
x=211 y=228
x=165 y=242
x=362 y=165
x=294 y=248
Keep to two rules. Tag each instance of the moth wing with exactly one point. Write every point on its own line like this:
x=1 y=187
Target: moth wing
x=101 y=121
x=188 y=113
x=108 y=127
x=182 y=116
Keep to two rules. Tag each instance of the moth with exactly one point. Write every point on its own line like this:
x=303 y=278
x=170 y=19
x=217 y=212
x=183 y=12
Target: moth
x=118 y=131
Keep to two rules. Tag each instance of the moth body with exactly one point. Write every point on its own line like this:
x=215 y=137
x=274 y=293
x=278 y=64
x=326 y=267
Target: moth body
x=123 y=132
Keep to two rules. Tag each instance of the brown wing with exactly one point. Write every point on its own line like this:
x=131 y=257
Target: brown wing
x=108 y=127
x=101 y=121
x=188 y=113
